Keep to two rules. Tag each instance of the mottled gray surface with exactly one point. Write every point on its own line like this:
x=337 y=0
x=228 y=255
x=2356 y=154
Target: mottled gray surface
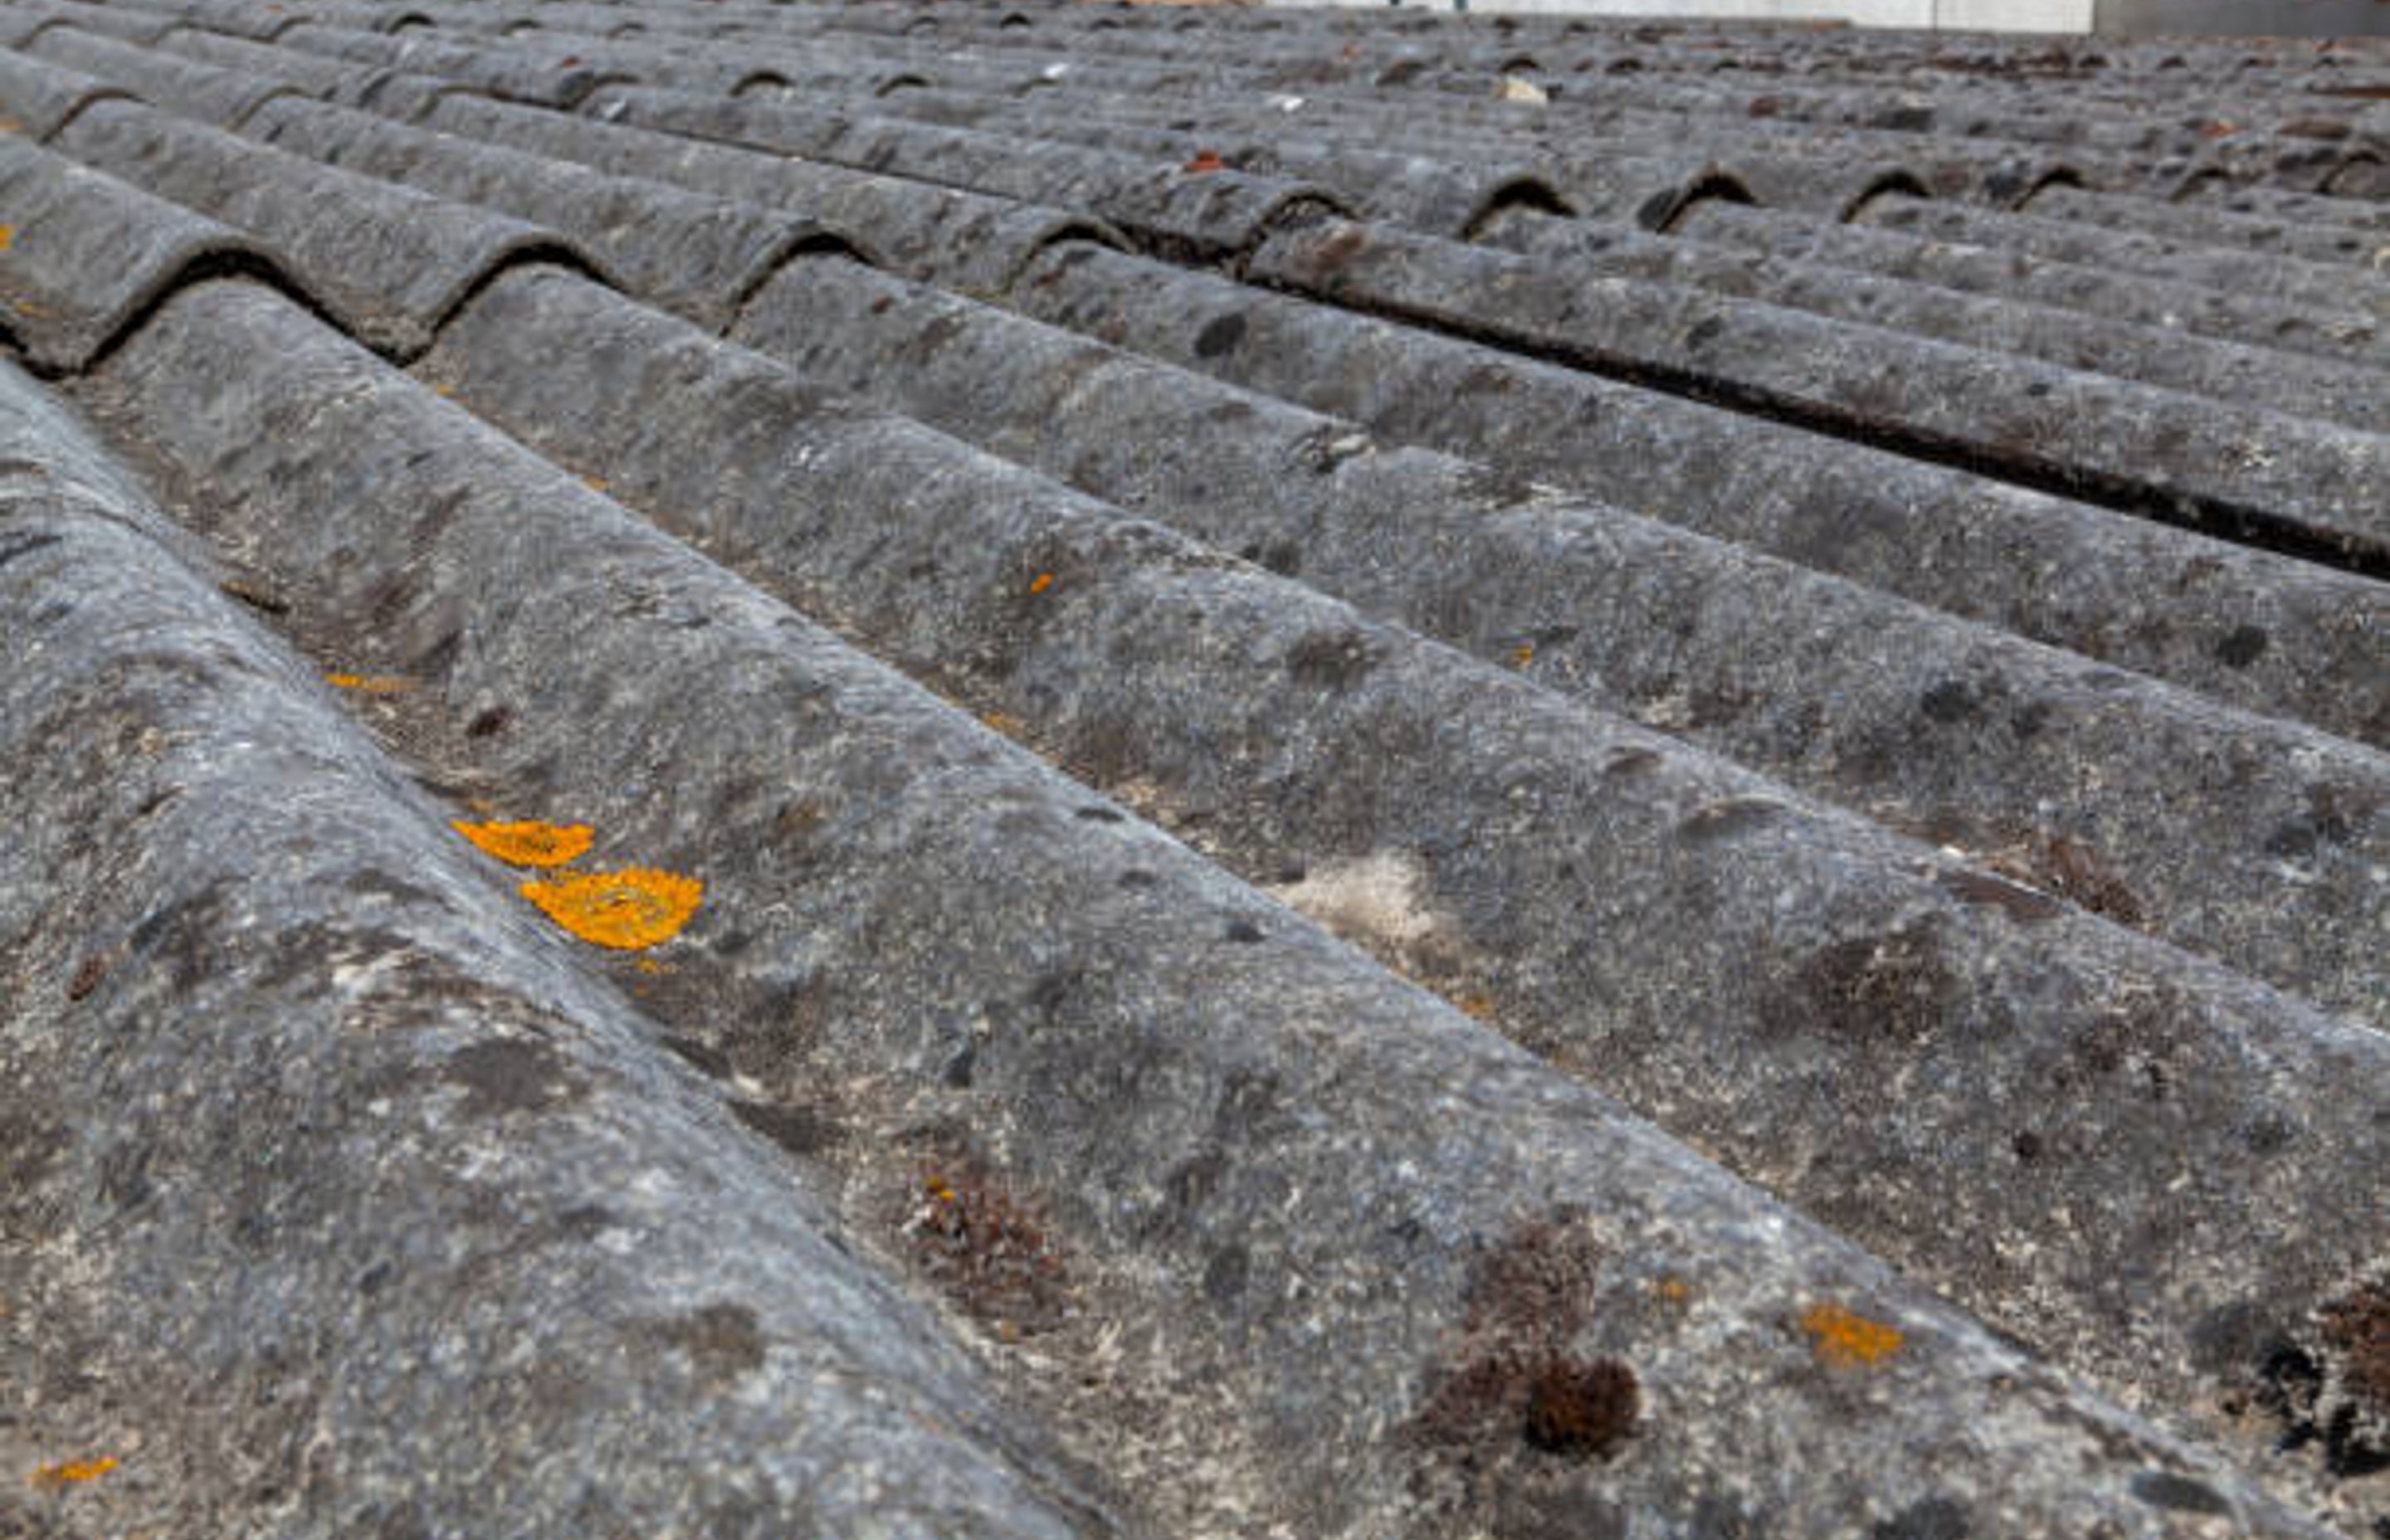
x=190 y=87
x=391 y=262
x=1146 y=1206
x=2307 y=239
x=1205 y=216
x=2173 y=815
x=1268 y=1110
x=960 y=239
x=2269 y=633
x=89 y=255
x=412 y=1229
x=2347 y=393
x=2244 y=471
x=1283 y=731
x=2257 y=320
x=39 y=97
x=2099 y=245
x=698 y=256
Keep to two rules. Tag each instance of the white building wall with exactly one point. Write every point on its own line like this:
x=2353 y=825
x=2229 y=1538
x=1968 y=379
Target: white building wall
x=2054 y=16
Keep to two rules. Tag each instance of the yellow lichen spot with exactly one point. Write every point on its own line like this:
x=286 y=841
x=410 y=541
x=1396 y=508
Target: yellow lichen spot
x=369 y=683
x=7 y=233
x=69 y=1472
x=650 y=967
x=530 y=843
x=625 y=910
x=1010 y=726
x=446 y=392
x=1477 y=1008
x=594 y=483
x=10 y=125
x=1848 y=1340
x=1042 y=582
x=1524 y=655
x=1672 y=1291
x=937 y=1186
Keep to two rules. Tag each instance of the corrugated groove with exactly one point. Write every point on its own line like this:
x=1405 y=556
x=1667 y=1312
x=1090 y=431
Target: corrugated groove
x=522 y=1202
x=1859 y=697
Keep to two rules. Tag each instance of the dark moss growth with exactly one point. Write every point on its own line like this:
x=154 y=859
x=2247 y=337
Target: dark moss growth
x=1581 y=1410
x=2075 y=872
x=1896 y=987
x=2165 y=1489
x=2329 y=1386
x=2356 y=1329
x=987 y=1248
x=1513 y=1385
x=1334 y=660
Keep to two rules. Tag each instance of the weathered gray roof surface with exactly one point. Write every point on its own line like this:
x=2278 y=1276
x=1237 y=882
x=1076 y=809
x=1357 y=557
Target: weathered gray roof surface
x=1440 y=778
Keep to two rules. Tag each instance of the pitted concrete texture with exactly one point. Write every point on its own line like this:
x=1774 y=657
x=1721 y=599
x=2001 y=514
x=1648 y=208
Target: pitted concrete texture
x=1077 y=770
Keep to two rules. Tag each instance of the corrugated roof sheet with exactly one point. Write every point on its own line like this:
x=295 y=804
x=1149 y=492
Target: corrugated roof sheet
x=1440 y=778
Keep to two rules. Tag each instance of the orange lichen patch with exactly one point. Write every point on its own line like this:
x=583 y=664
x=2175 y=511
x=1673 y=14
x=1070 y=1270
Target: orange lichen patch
x=625 y=910
x=596 y=483
x=1674 y=1292
x=446 y=392
x=7 y=232
x=370 y=684
x=73 y=1472
x=1524 y=655
x=1477 y=1008
x=10 y=125
x=530 y=843
x=1848 y=1340
x=1042 y=582
x=1204 y=163
x=1010 y=726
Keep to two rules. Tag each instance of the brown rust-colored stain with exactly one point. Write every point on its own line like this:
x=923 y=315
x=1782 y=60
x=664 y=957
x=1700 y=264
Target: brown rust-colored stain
x=1511 y=1379
x=1339 y=250
x=2355 y=1328
x=86 y=978
x=988 y=1247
